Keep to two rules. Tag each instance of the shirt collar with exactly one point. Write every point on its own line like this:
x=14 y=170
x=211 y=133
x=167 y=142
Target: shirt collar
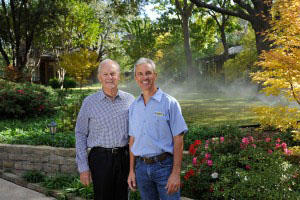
x=157 y=96
x=103 y=96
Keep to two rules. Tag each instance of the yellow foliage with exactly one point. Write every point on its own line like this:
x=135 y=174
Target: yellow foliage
x=281 y=117
x=295 y=150
x=79 y=64
x=281 y=67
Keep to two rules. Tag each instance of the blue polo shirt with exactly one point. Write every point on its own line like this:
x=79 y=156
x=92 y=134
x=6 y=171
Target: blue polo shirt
x=154 y=125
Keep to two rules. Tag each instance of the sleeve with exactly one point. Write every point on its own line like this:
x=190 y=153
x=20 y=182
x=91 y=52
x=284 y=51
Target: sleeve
x=81 y=133
x=177 y=123
x=131 y=121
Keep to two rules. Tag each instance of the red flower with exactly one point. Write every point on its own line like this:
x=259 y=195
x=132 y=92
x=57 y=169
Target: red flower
x=189 y=174
x=21 y=91
x=192 y=149
x=248 y=167
x=197 y=142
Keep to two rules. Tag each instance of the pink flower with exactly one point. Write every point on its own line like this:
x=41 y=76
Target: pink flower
x=221 y=139
x=251 y=139
x=278 y=140
x=270 y=151
x=248 y=167
x=207 y=155
x=287 y=152
x=21 y=91
x=209 y=162
x=245 y=140
x=195 y=161
x=277 y=146
x=283 y=145
x=268 y=139
x=254 y=146
x=207 y=141
x=206 y=146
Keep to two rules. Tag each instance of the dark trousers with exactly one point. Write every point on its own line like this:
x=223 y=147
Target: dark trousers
x=109 y=173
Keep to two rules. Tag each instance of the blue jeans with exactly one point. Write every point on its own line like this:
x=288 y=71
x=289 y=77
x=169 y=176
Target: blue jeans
x=152 y=179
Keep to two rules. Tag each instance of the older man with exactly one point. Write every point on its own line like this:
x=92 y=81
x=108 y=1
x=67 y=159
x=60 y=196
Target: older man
x=102 y=125
x=156 y=128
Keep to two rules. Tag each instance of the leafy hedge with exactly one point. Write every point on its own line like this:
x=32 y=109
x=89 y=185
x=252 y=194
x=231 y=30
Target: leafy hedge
x=19 y=100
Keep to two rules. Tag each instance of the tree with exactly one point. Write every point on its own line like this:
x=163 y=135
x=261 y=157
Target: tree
x=79 y=64
x=20 y=22
x=257 y=12
x=140 y=37
x=281 y=67
x=184 y=10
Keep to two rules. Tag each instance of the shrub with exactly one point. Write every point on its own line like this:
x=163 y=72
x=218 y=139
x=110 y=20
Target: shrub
x=54 y=83
x=197 y=132
x=24 y=100
x=69 y=83
x=248 y=167
x=34 y=176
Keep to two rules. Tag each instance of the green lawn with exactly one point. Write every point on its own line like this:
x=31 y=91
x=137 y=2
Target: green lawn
x=219 y=111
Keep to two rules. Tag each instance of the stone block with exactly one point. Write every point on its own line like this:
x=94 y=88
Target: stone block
x=55 y=159
x=71 y=169
x=65 y=152
x=3 y=156
x=18 y=157
x=38 y=158
x=8 y=164
x=50 y=168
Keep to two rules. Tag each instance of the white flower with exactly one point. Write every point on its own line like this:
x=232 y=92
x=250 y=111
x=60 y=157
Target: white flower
x=214 y=175
x=246 y=179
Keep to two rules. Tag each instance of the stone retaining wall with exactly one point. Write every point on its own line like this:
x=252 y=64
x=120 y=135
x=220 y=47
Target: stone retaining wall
x=51 y=160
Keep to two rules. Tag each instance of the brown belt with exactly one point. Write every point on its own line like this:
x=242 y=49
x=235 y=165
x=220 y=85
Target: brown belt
x=154 y=159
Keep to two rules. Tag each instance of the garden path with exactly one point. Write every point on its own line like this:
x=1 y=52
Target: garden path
x=11 y=191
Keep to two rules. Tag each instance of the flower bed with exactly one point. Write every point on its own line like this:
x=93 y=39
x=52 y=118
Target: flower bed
x=241 y=167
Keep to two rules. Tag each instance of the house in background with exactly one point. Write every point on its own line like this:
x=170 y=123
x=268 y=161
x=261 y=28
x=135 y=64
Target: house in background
x=46 y=69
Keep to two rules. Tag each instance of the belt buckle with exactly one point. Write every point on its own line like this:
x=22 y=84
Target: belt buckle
x=114 y=150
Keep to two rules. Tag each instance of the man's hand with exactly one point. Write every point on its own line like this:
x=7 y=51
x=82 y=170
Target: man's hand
x=173 y=184
x=131 y=181
x=85 y=178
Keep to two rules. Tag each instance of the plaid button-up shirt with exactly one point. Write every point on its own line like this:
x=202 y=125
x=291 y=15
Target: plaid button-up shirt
x=101 y=122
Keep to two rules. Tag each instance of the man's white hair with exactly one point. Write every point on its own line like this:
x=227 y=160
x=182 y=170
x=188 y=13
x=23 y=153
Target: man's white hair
x=144 y=61
x=106 y=61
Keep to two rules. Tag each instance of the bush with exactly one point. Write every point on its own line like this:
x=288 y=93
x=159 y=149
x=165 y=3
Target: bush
x=197 y=132
x=25 y=100
x=69 y=83
x=247 y=167
x=34 y=176
x=54 y=83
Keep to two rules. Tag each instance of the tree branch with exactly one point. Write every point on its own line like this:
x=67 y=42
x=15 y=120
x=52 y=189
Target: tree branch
x=240 y=13
x=245 y=6
x=4 y=54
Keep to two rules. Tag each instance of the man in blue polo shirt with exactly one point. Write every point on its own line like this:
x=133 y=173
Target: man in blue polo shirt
x=156 y=129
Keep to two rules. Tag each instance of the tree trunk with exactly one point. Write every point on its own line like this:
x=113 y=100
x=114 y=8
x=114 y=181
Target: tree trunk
x=187 y=47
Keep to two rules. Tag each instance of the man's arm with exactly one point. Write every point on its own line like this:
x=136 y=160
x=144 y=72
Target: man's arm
x=131 y=177
x=173 y=184
x=81 y=131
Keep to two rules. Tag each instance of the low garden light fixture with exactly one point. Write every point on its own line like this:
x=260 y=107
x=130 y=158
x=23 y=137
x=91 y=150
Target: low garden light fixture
x=52 y=126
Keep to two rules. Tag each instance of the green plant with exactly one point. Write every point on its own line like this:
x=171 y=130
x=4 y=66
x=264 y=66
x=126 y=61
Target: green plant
x=54 y=83
x=25 y=100
x=58 y=181
x=197 y=132
x=253 y=165
x=34 y=176
x=69 y=83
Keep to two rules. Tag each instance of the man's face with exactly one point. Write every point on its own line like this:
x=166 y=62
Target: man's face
x=109 y=76
x=145 y=77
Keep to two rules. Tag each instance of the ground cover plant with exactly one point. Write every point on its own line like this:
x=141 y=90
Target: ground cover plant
x=245 y=166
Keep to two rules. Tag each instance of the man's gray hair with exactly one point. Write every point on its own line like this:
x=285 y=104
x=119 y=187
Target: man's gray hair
x=106 y=61
x=144 y=61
